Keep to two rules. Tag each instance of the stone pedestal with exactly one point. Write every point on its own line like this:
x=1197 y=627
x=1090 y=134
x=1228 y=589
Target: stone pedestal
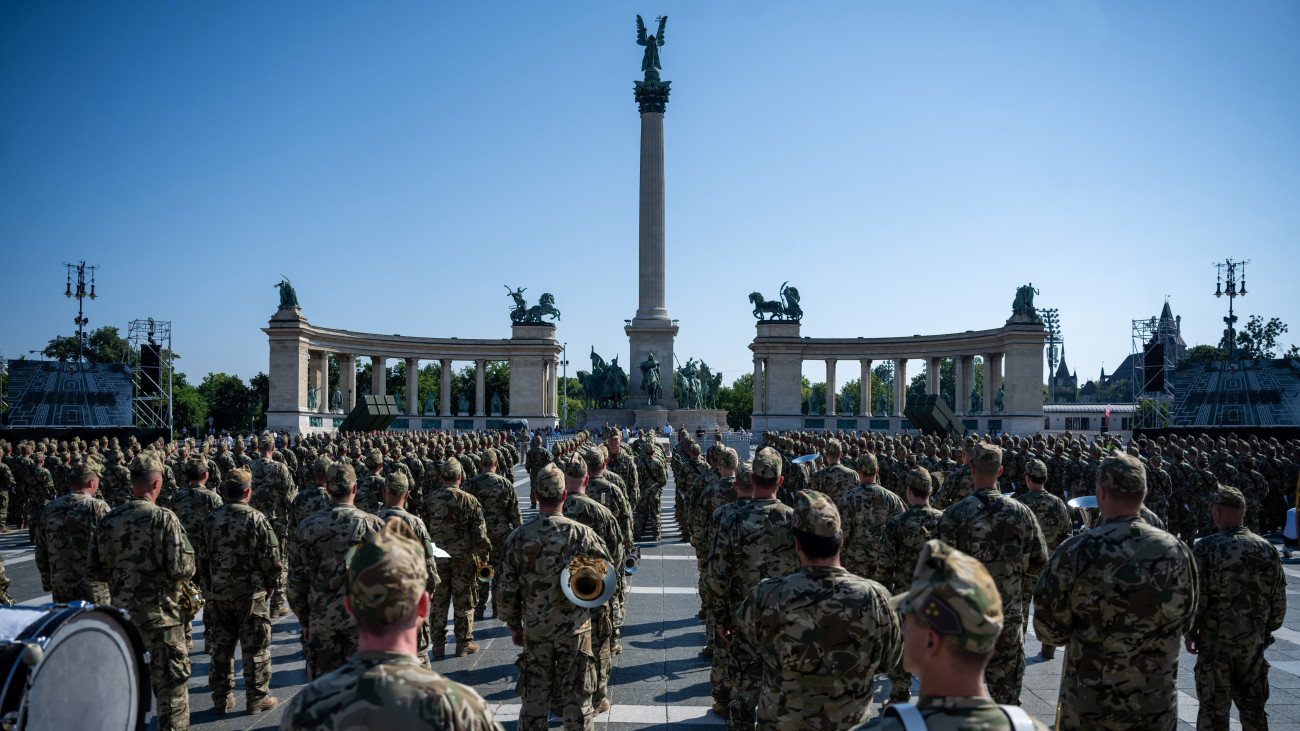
x=644 y=337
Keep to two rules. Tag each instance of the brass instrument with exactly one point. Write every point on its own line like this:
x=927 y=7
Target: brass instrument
x=191 y=599
x=588 y=582
x=632 y=562
x=484 y=570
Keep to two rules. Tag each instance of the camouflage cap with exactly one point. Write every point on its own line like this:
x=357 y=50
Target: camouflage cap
x=815 y=513
x=767 y=465
x=868 y=464
x=373 y=459
x=550 y=482
x=147 y=461
x=1037 y=470
x=237 y=478
x=1123 y=473
x=88 y=466
x=834 y=447
x=386 y=575
x=397 y=483
x=917 y=480
x=1228 y=497
x=593 y=456
x=743 y=472
x=340 y=479
x=986 y=454
x=956 y=596
x=195 y=467
x=451 y=470
x=728 y=458
x=1203 y=460
x=574 y=465
x=322 y=465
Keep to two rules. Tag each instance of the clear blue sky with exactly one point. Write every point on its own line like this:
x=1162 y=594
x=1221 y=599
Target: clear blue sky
x=905 y=164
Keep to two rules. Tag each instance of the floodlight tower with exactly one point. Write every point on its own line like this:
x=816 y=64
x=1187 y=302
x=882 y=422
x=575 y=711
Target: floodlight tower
x=81 y=293
x=1233 y=291
x=1053 y=322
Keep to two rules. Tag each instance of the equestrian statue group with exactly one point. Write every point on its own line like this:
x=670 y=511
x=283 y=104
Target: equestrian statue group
x=787 y=308
x=522 y=314
x=697 y=387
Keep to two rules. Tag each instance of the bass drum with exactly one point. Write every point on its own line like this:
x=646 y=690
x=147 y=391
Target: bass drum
x=72 y=666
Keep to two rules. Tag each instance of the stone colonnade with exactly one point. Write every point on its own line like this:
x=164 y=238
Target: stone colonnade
x=299 y=361
x=1016 y=348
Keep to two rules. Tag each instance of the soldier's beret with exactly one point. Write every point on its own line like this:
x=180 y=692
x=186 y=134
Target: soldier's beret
x=550 y=482
x=195 y=467
x=147 y=461
x=956 y=597
x=868 y=464
x=397 y=483
x=816 y=513
x=386 y=575
x=237 y=478
x=340 y=479
x=1123 y=473
x=451 y=470
x=767 y=465
x=1037 y=470
x=1228 y=497
x=574 y=465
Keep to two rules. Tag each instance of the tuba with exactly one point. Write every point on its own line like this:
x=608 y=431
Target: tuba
x=484 y=570
x=588 y=581
x=632 y=562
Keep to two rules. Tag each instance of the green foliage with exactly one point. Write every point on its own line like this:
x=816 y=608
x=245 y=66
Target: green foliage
x=1258 y=339
x=852 y=389
x=1204 y=354
x=1151 y=414
x=738 y=400
x=1116 y=392
x=259 y=387
x=228 y=401
x=189 y=408
x=102 y=345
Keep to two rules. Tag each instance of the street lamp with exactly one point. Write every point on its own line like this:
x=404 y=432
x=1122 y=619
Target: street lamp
x=81 y=293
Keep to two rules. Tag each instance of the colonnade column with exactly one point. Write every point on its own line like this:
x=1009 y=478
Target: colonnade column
x=758 y=386
x=553 y=388
x=348 y=375
x=932 y=366
x=412 y=386
x=864 y=388
x=830 y=387
x=444 y=388
x=987 y=405
x=378 y=375
x=961 y=388
x=991 y=399
x=323 y=398
x=900 y=385
x=480 y=382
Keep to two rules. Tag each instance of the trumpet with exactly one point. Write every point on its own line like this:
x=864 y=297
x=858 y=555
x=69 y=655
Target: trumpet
x=632 y=562
x=484 y=570
x=588 y=582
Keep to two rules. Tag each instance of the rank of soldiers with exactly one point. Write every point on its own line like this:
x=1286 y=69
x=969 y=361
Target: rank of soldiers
x=825 y=561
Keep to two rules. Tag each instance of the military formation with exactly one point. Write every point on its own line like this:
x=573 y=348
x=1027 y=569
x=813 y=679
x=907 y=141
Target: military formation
x=825 y=560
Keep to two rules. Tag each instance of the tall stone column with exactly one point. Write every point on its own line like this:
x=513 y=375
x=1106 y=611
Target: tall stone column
x=758 y=386
x=961 y=387
x=932 y=366
x=412 y=386
x=553 y=389
x=378 y=375
x=900 y=385
x=348 y=374
x=864 y=388
x=996 y=358
x=990 y=391
x=480 y=383
x=444 y=389
x=830 y=387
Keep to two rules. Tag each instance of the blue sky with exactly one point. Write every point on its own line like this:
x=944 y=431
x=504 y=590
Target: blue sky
x=906 y=165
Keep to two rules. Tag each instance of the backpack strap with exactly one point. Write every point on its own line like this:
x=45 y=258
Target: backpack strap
x=1020 y=721
x=906 y=712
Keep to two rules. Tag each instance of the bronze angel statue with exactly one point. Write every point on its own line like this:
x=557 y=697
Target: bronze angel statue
x=650 y=62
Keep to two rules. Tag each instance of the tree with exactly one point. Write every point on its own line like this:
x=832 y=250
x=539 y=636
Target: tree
x=1203 y=354
x=102 y=345
x=259 y=388
x=1258 y=339
x=1116 y=392
x=229 y=401
x=852 y=389
x=189 y=408
x=738 y=400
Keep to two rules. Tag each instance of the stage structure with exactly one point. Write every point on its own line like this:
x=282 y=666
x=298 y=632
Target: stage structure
x=150 y=344
x=58 y=394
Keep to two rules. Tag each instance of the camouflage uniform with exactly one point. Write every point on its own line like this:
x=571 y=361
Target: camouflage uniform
x=1254 y=488
x=864 y=510
x=822 y=635
x=500 y=503
x=7 y=486
x=273 y=494
x=900 y=546
x=315 y=587
x=652 y=475
x=64 y=531
x=1160 y=489
x=385 y=582
x=624 y=465
x=456 y=525
x=535 y=459
x=40 y=491
x=1003 y=534
x=834 y=479
x=1241 y=603
x=115 y=483
x=956 y=488
x=610 y=495
x=418 y=529
x=753 y=543
x=1120 y=596
x=557 y=668
x=311 y=500
x=1202 y=484
x=141 y=550
x=238 y=566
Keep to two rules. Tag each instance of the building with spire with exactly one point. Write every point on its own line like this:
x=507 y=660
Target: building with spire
x=1064 y=385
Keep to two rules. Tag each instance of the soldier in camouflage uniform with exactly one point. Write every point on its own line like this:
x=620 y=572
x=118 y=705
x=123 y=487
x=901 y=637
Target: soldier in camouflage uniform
x=1118 y=598
x=314 y=498
x=370 y=487
x=1254 y=487
x=455 y=522
x=834 y=479
x=534 y=459
x=753 y=543
x=396 y=492
x=652 y=474
x=7 y=486
x=839 y=626
x=273 y=494
x=604 y=491
x=23 y=467
x=1241 y=603
x=238 y=557
x=624 y=464
x=556 y=666
x=900 y=547
x=115 y=483
x=737 y=492
x=952 y=622
x=1202 y=484
x=580 y=507
x=956 y=488
x=1003 y=534
x=686 y=486
x=141 y=551
x=192 y=504
x=316 y=558
x=383 y=685
x=500 y=503
x=1160 y=486
x=1053 y=518
x=40 y=491
x=64 y=531
x=864 y=510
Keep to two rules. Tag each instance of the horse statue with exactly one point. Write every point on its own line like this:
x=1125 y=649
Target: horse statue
x=545 y=307
x=761 y=306
x=715 y=385
x=787 y=308
x=521 y=305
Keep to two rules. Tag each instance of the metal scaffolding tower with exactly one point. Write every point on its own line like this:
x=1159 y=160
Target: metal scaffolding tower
x=150 y=343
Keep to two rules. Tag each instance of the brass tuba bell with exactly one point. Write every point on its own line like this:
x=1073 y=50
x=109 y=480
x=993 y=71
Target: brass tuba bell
x=484 y=570
x=632 y=562
x=588 y=581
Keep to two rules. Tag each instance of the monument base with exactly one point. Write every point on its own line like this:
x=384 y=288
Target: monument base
x=1023 y=424
x=654 y=417
x=320 y=422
